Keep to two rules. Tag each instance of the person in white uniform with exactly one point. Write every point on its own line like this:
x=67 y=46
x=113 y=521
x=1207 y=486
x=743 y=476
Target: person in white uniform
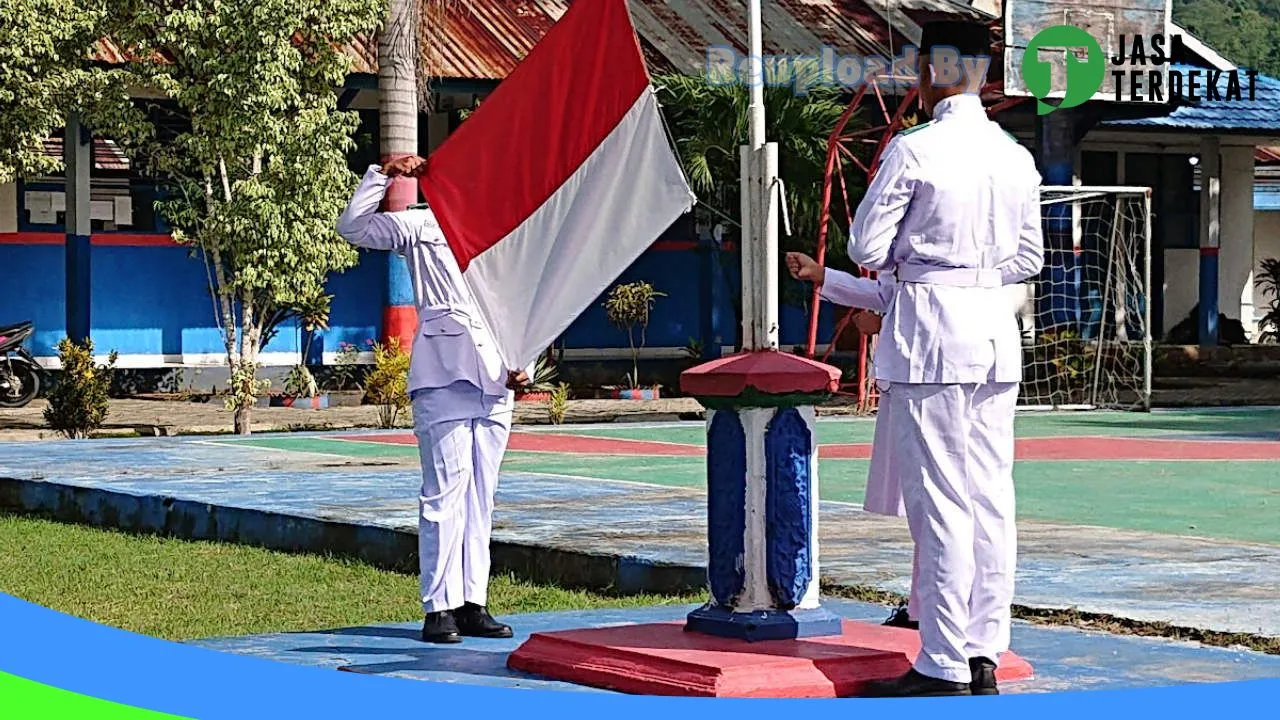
x=954 y=214
x=462 y=407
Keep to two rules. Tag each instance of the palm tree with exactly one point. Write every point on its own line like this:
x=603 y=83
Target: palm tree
x=398 y=86
x=709 y=121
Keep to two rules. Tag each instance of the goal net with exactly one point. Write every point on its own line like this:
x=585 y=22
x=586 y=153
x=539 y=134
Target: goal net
x=1086 y=321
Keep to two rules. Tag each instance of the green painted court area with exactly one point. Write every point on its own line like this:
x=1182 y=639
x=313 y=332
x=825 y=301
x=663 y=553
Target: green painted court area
x=1229 y=500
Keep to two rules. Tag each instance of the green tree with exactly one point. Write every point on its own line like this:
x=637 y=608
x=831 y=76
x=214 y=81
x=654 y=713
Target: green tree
x=46 y=73
x=709 y=121
x=258 y=173
x=1247 y=32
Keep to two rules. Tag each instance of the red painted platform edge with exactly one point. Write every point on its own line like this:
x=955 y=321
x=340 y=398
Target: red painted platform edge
x=589 y=657
x=770 y=371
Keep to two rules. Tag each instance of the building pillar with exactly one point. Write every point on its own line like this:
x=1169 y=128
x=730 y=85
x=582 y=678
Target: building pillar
x=1057 y=296
x=399 y=316
x=710 y=249
x=78 y=158
x=1210 y=238
x=1235 y=258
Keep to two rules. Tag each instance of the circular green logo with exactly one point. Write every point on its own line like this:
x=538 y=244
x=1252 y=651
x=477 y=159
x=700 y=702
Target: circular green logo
x=1083 y=77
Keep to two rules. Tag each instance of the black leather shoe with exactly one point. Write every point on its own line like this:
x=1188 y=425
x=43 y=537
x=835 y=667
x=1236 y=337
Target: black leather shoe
x=984 y=677
x=475 y=621
x=913 y=684
x=902 y=619
x=440 y=627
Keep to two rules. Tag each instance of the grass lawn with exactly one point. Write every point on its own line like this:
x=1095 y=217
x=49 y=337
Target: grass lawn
x=182 y=590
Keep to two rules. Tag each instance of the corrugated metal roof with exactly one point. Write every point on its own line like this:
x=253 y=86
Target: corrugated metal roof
x=486 y=39
x=106 y=154
x=1261 y=115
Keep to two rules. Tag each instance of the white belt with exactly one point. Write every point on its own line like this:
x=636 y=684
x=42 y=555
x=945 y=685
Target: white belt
x=953 y=277
x=462 y=315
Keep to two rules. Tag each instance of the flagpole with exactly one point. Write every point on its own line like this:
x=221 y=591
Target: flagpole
x=760 y=165
x=762 y=516
x=756 y=42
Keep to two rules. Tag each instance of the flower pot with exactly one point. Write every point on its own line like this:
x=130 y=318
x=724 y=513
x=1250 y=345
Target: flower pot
x=633 y=393
x=312 y=403
x=533 y=396
x=345 y=398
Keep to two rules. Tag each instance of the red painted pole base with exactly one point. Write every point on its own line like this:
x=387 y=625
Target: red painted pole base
x=400 y=322
x=663 y=659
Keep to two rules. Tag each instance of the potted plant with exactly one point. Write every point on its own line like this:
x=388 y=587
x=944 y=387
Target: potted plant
x=541 y=384
x=342 y=379
x=300 y=390
x=300 y=387
x=628 y=306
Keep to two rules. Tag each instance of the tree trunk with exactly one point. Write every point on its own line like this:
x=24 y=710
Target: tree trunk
x=398 y=88
x=250 y=334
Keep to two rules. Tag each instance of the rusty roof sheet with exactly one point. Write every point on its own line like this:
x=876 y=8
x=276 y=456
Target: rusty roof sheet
x=486 y=39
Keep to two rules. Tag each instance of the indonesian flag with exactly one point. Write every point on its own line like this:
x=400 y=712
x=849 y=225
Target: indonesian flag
x=558 y=181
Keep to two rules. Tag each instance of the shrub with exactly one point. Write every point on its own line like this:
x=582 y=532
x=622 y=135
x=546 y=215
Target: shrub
x=300 y=383
x=78 y=403
x=345 y=367
x=626 y=307
x=559 y=404
x=387 y=384
x=1269 y=282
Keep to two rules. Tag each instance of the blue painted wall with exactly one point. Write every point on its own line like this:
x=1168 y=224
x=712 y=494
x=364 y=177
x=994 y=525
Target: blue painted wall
x=155 y=301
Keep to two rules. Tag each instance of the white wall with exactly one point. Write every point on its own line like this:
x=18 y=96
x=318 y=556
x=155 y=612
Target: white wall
x=1266 y=244
x=1236 y=257
x=1181 y=284
x=9 y=207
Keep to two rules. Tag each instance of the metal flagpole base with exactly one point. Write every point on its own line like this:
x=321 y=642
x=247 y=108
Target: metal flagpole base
x=760 y=625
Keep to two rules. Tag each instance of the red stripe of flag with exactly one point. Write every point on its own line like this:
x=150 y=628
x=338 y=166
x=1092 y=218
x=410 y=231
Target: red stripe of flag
x=570 y=92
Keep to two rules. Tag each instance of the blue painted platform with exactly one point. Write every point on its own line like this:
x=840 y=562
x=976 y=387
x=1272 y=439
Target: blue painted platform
x=597 y=533
x=1064 y=659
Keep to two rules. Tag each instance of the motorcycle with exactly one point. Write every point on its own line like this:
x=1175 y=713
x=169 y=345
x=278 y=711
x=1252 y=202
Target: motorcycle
x=19 y=372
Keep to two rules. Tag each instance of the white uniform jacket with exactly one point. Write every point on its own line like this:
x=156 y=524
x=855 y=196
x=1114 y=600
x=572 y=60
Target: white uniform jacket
x=453 y=344
x=937 y=215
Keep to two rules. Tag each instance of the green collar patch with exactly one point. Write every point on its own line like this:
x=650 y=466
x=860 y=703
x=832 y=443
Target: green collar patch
x=914 y=128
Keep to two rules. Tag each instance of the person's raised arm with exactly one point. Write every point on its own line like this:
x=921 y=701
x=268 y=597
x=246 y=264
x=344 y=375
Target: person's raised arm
x=840 y=287
x=883 y=207
x=362 y=225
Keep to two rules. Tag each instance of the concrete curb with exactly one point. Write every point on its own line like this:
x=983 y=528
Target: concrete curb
x=384 y=547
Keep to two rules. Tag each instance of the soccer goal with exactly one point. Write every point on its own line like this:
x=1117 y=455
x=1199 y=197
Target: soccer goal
x=1086 y=322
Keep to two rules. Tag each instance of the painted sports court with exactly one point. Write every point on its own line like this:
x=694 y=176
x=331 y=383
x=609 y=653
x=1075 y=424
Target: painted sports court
x=1167 y=517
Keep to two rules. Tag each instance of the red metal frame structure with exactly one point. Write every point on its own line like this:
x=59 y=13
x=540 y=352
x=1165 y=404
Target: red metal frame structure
x=840 y=150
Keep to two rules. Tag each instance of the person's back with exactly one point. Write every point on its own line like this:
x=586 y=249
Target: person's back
x=969 y=197
x=954 y=213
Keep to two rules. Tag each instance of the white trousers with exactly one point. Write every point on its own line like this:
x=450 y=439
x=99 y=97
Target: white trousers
x=460 y=462
x=955 y=444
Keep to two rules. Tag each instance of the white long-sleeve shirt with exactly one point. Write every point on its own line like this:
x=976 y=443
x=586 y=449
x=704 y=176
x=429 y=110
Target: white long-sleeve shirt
x=453 y=344
x=954 y=214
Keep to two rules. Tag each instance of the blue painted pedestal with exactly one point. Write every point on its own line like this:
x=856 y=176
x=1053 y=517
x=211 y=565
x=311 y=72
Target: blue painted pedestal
x=762 y=497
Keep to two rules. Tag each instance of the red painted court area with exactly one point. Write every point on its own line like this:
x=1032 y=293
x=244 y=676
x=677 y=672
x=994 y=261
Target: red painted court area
x=1056 y=448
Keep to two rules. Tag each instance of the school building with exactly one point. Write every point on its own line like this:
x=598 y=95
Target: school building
x=150 y=299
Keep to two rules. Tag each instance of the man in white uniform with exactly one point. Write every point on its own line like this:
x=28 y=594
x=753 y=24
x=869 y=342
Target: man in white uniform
x=954 y=214
x=462 y=407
